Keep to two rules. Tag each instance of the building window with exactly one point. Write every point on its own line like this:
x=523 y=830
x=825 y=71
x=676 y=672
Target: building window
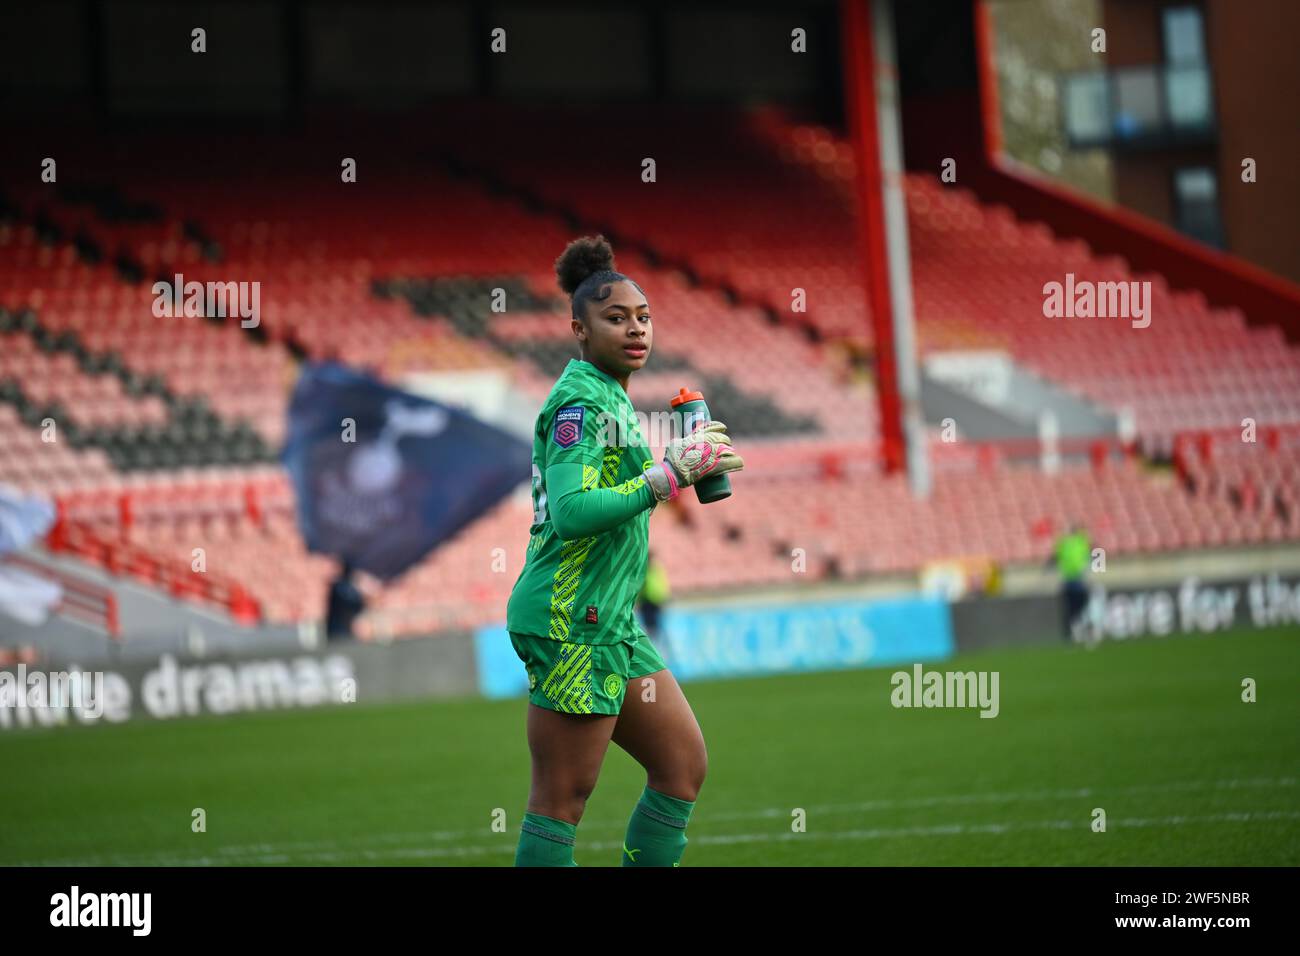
x=1184 y=35
x=1187 y=97
x=1087 y=107
x=1137 y=102
x=1196 y=205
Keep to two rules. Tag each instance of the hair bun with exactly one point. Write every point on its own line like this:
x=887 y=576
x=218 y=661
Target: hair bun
x=583 y=257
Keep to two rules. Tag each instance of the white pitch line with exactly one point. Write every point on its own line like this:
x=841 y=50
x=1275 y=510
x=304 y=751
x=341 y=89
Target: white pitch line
x=360 y=855
x=1006 y=797
x=766 y=813
x=759 y=814
x=784 y=812
x=338 y=854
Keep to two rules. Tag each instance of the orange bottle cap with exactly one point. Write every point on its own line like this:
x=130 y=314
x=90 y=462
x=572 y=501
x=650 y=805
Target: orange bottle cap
x=683 y=396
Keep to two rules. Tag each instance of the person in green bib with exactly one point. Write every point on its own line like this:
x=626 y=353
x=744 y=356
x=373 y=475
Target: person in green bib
x=1072 y=556
x=593 y=674
x=655 y=593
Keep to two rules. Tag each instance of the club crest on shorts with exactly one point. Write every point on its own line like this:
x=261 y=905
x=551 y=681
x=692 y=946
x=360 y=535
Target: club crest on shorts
x=568 y=426
x=613 y=684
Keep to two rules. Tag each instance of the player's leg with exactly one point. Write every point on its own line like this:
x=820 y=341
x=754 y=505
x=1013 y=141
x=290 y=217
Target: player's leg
x=657 y=727
x=569 y=724
x=567 y=752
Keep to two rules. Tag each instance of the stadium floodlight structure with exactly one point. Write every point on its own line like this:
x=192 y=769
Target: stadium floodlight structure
x=871 y=99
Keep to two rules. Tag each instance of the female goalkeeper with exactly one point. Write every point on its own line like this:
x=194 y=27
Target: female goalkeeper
x=593 y=674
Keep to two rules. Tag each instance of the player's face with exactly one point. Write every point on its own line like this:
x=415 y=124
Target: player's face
x=618 y=330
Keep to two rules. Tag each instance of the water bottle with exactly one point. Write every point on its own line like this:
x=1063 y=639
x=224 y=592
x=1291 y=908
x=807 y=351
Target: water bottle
x=689 y=410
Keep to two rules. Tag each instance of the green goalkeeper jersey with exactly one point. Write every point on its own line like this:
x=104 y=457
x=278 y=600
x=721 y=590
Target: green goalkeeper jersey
x=587 y=546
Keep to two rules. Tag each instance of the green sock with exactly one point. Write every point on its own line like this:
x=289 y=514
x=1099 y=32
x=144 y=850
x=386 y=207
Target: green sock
x=545 y=841
x=656 y=834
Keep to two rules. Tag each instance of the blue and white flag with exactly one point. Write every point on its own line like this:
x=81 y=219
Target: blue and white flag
x=408 y=475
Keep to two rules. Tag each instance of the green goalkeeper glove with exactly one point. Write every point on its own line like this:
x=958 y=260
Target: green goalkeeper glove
x=705 y=451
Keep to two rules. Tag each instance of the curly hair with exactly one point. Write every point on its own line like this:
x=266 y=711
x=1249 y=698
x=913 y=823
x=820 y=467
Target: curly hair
x=585 y=269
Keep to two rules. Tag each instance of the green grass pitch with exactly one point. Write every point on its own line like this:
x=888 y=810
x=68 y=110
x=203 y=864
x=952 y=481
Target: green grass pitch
x=1154 y=732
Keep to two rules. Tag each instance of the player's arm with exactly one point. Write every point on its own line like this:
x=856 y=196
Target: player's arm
x=579 y=509
x=575 y=450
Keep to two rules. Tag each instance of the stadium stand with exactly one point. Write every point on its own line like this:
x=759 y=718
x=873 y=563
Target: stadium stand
x=170 y=426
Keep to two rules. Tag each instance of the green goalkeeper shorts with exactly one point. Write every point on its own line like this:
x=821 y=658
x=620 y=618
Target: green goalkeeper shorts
x=583 y=678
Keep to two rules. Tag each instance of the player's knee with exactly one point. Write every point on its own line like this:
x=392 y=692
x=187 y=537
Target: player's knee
x=575 y=794
x=565 y=798
x=697 y=769
x=685 y=776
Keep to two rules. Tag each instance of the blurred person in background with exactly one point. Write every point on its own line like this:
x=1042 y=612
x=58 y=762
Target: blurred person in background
x=345 y=604
x=993 y=580
x=655 y=593
x=1073 y=552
